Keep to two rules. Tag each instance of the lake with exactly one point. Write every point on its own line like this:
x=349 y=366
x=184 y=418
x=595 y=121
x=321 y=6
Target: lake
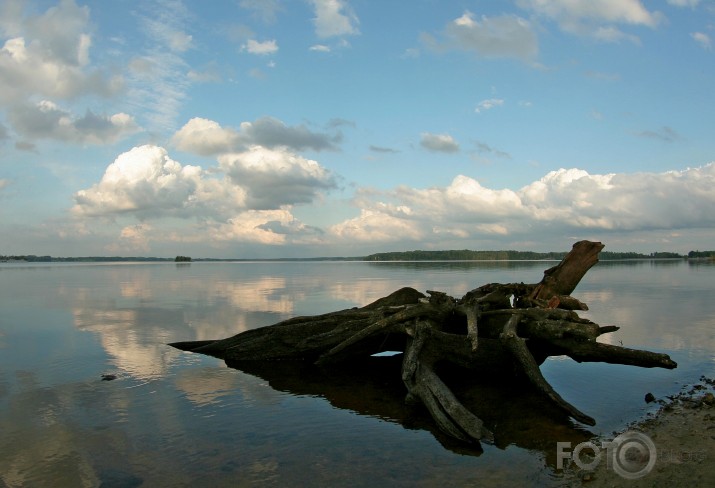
x=172 y=418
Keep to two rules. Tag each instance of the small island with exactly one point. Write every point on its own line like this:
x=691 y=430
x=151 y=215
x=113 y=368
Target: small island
x=182 y=259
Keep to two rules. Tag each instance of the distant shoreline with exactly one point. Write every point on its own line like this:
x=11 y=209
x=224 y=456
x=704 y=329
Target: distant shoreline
x=402 y=256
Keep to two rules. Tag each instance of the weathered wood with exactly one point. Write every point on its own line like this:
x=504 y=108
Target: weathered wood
x=517 y=346
x=495 y=330
x=306 y=338
x=589 y=351
x=424 y=384
x=563 y=278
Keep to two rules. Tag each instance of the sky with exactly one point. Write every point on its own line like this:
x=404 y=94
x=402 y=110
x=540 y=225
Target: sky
x=305 y=128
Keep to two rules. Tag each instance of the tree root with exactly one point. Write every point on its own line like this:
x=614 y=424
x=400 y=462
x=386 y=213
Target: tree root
x=423 y=383
x=517 y=347
x=488 y=331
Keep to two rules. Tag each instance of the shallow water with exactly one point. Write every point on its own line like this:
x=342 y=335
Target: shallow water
x=179 y=419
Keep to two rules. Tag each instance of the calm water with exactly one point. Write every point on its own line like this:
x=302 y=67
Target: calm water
x=179 y=419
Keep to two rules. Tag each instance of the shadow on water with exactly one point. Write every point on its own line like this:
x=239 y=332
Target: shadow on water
x=514 y=412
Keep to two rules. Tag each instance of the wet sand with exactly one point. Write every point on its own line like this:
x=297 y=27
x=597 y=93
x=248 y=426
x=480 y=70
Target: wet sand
x=683 y=435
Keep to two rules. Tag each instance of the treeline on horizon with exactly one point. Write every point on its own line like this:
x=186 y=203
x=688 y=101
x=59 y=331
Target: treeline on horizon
x=418 y=255
x=31 y=258
x=511 y=255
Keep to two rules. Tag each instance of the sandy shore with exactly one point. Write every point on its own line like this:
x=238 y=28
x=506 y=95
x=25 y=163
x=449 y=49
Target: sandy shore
x=683 y=439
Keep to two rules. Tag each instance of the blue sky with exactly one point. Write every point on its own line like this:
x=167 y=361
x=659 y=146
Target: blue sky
x=275 y=128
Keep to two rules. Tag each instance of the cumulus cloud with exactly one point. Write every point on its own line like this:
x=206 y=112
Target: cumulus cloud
x=45 y=120
x=702 y=39
x=376 y=226
x=133 y=238
x=594 y=18
x=144 y=182
x=207 y=137
x=439 y=142
x=48 y=56
x=488 y=104
x=563 y=202
x=334 y=18
x=260 y=48
x=492 y=37
x=276 y=177
x=203 y=136
x=271 y=132
x=251 y=202
x=272 y=227
x=249 y=198
x=676 y=199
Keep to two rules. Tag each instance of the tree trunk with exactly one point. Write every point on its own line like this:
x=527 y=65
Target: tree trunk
x=496 y=329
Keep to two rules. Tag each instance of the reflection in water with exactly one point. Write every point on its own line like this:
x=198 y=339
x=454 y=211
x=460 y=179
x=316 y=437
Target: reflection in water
x=179 y=419
x=517 y=415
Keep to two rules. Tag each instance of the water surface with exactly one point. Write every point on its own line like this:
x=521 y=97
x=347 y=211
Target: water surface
x=179 y=419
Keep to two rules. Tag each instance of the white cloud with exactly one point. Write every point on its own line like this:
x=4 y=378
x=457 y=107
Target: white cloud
x=595 y=17
x=179 y=41
x=132 y=238
x=61 y=31
x=702 y=39
x=563 y=203
x=637 y=201
x=376 y=226
x=46 y=120
x=260 y=48
x=203 y=136
x=489 y=104
x=463 y=197
x=321 y=48
x=613 y=34
x=251 y=203
x=258 y=226
x=50 y=66
x=568 y=12
x=439 y=142
x=492 y=37
x=275 y=177
x=146 y=182
x=334 y=18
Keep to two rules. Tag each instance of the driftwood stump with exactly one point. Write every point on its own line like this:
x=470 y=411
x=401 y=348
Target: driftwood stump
x=496 y=329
